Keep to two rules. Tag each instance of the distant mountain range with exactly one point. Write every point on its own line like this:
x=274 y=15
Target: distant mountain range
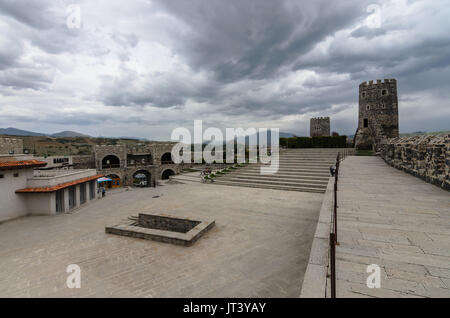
x=19 y=132
x=10 y=131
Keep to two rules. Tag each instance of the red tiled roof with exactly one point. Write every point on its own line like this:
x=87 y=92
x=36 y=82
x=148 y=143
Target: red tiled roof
x=19 y=164
x=59 y=186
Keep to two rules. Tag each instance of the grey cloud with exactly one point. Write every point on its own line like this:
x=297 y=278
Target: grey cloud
x=26 y=78
x=367 y=32
x=35 y=14
x=239 y=58
x=254 y=39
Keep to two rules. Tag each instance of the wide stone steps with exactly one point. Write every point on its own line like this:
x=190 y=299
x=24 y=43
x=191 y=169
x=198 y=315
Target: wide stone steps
x=282 y=176
x=269 y=186
x=300 y=170
x=274 y=180
x=305 y=170
x=302 y=165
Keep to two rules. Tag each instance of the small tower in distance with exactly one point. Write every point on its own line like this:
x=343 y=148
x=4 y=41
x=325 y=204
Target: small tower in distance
x=319 y=126
x=378 y=113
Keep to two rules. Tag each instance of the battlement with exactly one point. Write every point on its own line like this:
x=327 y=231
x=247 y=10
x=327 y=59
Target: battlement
x=320 y=118
x=378 y=82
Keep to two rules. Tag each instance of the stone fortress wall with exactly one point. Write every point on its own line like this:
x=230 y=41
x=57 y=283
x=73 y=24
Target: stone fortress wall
x=319 y=126
x=424 y=156
x=154 y=160
x=11 y=145
x=378 y=113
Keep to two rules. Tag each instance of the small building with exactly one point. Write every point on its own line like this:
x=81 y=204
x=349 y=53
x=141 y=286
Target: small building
x=27 y=191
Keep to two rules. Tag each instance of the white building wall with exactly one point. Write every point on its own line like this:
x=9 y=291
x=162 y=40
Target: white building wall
x=13 y=204
x=41 y=203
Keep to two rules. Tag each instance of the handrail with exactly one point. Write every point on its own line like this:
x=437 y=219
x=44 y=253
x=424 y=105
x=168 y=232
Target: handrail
x=333 y=229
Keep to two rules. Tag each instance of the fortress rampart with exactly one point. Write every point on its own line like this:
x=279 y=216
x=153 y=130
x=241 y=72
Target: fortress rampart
x=424 y=156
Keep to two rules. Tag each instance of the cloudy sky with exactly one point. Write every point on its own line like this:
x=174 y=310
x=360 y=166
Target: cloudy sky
x=144 y=67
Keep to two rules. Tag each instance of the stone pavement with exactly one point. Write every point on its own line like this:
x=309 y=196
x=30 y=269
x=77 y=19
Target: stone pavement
x=258 y=248
x=397 y=221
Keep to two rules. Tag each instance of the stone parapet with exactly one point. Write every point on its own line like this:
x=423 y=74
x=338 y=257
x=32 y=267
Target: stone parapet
x=424 y=156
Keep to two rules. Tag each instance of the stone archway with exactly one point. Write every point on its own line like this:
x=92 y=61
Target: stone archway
x=110 y=161
x=165 y=175
x=142 y=178
x=166 y=159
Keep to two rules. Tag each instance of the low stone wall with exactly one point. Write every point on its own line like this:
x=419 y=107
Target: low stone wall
x=315 y=282
x=165 y=223
x=426 y=157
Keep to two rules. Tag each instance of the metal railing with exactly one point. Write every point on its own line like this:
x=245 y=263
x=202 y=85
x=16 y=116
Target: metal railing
x=333 y=228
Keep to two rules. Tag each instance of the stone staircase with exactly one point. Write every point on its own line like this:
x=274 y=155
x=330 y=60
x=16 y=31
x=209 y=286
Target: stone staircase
x=305 y=170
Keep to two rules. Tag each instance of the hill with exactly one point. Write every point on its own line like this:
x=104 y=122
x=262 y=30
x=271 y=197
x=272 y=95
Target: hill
x=18 y=132
x=11 y=131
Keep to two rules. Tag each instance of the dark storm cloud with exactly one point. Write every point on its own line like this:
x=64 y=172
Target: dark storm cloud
x=255 y=39
x=234 y=41
x=35 y=14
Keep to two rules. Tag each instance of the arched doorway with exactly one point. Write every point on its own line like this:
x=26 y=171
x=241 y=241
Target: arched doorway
x=115 y=181
x=142 y=178
x=110 y=161
x=166 y=159
x=167 y=173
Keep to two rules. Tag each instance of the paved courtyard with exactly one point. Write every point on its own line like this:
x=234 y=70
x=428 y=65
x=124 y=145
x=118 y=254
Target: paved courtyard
x=393 y=219
x=258 y=248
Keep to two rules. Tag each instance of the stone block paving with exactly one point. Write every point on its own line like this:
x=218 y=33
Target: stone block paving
x=258 y=248
x=397 y=221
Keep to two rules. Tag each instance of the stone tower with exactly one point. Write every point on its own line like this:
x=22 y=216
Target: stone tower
x=319 y=126
x=378 y=113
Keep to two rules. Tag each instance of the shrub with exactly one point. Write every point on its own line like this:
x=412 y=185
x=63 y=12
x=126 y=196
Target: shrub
x=314 y=142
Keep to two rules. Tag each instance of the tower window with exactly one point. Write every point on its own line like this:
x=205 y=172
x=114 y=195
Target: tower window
x=364 y=94
x=366 y=122
x=368 y=107
x=384 y=92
